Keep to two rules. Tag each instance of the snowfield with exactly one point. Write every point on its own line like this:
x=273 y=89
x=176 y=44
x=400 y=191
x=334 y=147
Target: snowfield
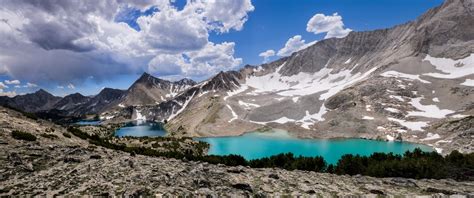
x=429 y=111
x=303 y=84
x=415 y=126
x=450 y=68
x=403 y=75
x=468 y=82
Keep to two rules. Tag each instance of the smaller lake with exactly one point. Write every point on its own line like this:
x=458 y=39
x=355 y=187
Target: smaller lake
x=257 y=145
x=141 y=129
x=88 y=122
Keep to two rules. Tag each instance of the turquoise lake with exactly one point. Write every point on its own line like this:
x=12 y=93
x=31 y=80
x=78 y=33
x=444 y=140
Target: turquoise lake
x=141 y=129
x=258 y=145
x=263 y=144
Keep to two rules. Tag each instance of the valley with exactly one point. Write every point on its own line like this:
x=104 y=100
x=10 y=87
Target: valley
x=383 y=84
x=385 y=112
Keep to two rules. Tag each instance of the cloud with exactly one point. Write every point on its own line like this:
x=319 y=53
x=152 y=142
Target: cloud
x=294 y=44
x=8 y=93
x=3 y=86
x=266 y=55
x=60 y=87
x=166 y=64
x=331 y=25
x=30 y=85
x=12 y=82
x=71 y=86
x=224 y=15
x=211 y=59
x=88 y=41
x=200 y=63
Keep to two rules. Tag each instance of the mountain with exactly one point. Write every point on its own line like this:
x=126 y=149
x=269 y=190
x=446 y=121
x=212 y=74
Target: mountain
x=34 y=102
x=392 y=83
x=149 y=90
x=410 y=82
x=71 y=101
x=106 y=99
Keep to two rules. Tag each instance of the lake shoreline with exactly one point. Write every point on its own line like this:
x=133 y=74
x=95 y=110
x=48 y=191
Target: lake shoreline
x=309 y=135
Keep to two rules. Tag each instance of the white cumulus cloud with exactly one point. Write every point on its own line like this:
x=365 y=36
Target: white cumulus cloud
x=88 y=41
x=294 y=44
x=12 y=82
x=332 y=25
x=30 y=85
x=3 y=86
x=266 y=55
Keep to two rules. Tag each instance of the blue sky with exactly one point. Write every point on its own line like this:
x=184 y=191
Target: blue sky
x=269 y=25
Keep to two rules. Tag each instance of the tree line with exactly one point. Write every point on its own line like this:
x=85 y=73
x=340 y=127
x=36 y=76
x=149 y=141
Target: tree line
x=415 y=164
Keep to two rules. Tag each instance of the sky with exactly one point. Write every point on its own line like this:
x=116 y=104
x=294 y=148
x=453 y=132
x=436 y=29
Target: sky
x=85 y=45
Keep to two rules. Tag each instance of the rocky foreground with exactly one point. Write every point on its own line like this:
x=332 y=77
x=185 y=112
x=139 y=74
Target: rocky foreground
x=55 y=164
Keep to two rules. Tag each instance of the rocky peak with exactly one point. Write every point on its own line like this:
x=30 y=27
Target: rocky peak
x=149 y=81
x=223 y=81
x=185 y=81
x=44 y=93
x=109 y=93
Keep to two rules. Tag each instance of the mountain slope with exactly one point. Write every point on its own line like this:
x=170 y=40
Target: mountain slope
x=383 y=84
x=149 y=90
x=34 y=102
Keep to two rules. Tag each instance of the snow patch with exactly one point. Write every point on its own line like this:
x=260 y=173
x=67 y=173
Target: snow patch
x=451 y=68
x=305 y=83
x=234 y=115
x=348 y=61
x=415 y=126
x=309 y=119
x=121 y=106
x=248 y=105
x=459 y=116
x=139 y=115
x=399 y=98
x=393 y=110
x=295 y=99
x=173 y=115
x=403 y=75
x=390 y=138
x=431 y=136
x=368 y=107
x=241 y=89
x=468 y=82
x=429 y=111
x=368 y=118
x=436 y=99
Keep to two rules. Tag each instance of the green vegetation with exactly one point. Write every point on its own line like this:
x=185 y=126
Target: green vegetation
x=67 y=135
x=49 y=136
x=21 y=135
x=289 y=162
x=416 y=164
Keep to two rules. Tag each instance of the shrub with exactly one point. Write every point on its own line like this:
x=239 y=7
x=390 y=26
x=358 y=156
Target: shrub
x=49 y=136
x=20 y=135
x=67 y=135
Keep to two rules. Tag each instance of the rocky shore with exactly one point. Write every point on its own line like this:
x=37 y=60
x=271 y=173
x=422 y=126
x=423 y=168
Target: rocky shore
x=56 y=164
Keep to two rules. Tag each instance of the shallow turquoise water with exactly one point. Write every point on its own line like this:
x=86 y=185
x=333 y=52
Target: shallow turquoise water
x=141 y=129
x=88 y=122
x=258 y=145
